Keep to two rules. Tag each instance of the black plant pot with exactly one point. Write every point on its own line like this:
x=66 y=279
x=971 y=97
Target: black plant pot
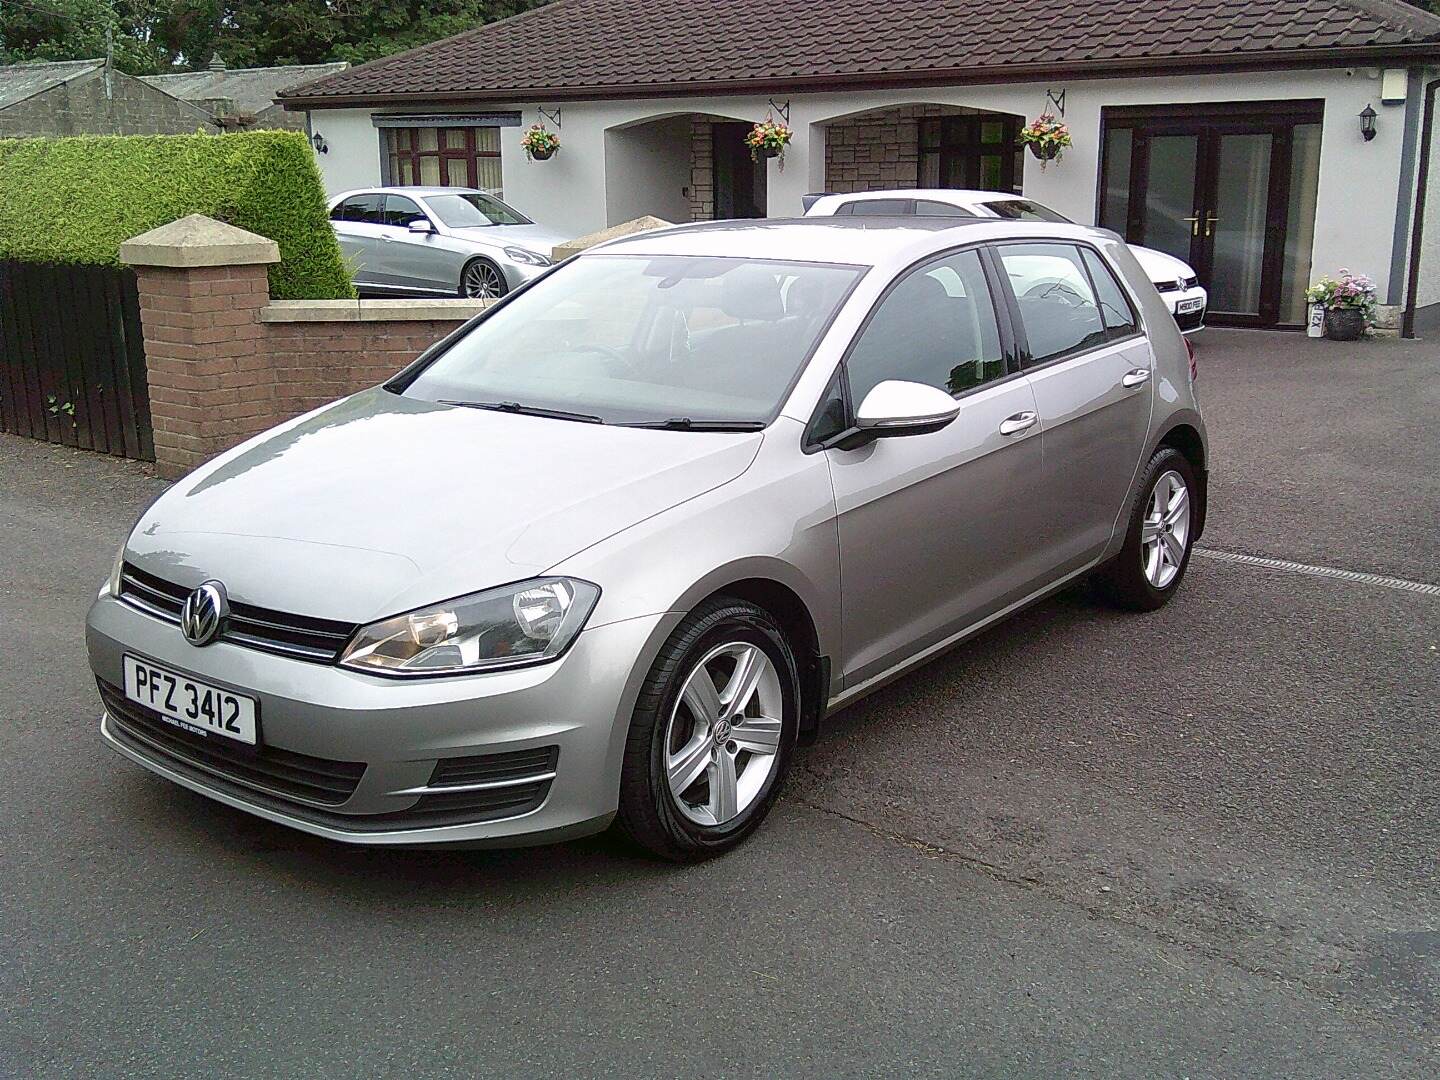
x=545 y=154
x=1344 y=323
x=1044 y=153
x=770 y=152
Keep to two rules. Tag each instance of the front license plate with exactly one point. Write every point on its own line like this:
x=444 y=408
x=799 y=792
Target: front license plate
x=194 y=706
x=1184 y=307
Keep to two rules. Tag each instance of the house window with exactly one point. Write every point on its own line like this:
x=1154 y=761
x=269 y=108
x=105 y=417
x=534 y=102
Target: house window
x=977 y=152
x=448 y=157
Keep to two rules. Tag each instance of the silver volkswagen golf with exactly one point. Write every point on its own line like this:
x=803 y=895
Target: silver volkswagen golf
x=609 y=552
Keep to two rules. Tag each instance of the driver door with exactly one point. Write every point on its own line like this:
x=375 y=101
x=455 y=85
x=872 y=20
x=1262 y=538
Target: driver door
x=937 y=531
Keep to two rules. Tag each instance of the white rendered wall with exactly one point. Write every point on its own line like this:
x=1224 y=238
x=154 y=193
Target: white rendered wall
x=595 y=181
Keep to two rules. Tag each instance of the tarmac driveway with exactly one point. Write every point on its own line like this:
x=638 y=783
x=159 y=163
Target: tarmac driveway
x=1197 y=843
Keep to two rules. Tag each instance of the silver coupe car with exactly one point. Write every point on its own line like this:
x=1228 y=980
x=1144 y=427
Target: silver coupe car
x=438 y=240
x=608 y=553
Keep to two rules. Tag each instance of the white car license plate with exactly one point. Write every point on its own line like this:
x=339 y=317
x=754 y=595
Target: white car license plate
x=194 y=706
x=1184 y=307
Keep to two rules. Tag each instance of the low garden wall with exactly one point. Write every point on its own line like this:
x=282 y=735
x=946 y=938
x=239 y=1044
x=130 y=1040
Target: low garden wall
x=225 y=362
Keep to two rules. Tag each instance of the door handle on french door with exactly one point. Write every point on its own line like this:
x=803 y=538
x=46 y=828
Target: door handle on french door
x=1021 y=421
x=1135 y=377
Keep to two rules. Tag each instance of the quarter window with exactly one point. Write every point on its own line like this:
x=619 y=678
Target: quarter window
x=937 y=327
x=1057 y=304
x=1115 y=309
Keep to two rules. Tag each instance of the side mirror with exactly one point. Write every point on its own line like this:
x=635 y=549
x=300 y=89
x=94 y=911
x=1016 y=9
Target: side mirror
x=421 y=225
x=895 y=408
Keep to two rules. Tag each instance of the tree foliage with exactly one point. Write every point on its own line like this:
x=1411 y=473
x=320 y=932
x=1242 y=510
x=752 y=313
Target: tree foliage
x=153 y=36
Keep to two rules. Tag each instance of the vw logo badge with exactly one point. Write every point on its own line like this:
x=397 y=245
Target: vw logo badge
x=204 y=612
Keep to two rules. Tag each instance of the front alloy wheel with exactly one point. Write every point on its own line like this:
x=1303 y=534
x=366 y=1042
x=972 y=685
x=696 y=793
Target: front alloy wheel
x=482 y=280
x=712 y=733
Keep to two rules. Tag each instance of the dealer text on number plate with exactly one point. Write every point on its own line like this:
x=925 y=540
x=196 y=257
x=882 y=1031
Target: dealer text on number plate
x=188 y=704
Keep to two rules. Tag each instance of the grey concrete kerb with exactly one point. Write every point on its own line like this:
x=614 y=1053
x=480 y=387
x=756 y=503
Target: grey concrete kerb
x=197 y=241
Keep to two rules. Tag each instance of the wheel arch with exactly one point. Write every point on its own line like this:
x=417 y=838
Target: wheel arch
x=1187 y=439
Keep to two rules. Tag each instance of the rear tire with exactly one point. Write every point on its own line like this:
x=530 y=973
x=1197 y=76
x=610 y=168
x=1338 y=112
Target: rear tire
x=702 y=770
x=1159 y=537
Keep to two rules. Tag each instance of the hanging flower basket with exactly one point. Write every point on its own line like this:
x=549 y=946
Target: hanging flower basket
x=1046 y=137
x=539 y=142
x=768 y=139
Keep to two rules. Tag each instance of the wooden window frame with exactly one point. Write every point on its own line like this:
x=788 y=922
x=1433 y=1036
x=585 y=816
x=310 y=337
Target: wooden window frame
x=409 y=158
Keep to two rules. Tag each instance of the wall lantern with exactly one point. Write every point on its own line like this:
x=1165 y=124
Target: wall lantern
x=1367 y=123
x=322 y=147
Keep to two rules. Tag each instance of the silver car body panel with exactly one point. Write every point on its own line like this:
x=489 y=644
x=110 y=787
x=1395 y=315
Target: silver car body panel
x=379 y=503
x=392 y=258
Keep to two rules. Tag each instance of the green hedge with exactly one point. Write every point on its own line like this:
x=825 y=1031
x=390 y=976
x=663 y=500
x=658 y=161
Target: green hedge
x=78 y=199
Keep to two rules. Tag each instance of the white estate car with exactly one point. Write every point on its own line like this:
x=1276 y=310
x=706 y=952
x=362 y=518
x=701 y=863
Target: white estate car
x=1174 y=278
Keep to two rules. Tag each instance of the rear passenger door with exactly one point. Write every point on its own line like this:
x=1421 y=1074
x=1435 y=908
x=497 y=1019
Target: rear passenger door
x=359 y=223
x=936 y=531
x=1091 y=366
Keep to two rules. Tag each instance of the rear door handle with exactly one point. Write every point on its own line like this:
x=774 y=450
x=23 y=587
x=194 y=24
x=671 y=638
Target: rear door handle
x=1021 y=421
x=1135 y=377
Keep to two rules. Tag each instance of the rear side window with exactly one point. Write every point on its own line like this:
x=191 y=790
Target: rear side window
x=364 y=208
x=937 y=327
x=1058 y=308
x=1114 y=305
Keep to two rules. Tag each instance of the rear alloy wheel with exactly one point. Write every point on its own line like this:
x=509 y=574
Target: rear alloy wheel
x=482 y=280
x=712 y=733
x=1150 y=567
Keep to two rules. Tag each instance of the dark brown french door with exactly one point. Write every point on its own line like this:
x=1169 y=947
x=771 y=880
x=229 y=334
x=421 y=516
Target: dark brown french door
x=740 y=181
x=1229 y=188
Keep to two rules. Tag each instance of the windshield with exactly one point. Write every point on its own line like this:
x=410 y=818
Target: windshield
x=1023 y=210
x=466 y=209
x=646 y=339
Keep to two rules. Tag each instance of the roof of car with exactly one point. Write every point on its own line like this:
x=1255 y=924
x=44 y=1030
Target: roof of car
x=403 y=189
x=956 y=196
x=862 y=241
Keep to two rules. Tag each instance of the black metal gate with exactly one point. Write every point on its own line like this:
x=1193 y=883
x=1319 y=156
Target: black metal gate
x=72 y=358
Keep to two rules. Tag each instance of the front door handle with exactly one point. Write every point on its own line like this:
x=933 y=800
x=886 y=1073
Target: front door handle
x=1135 y=377
x=1021 y=421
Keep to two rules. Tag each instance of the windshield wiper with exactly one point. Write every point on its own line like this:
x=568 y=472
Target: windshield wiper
x=527 y=410
x=684 y=423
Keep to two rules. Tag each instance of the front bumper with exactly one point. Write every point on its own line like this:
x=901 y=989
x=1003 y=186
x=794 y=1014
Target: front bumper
x=517 y=274
x=572 y=713
x=1196 y=300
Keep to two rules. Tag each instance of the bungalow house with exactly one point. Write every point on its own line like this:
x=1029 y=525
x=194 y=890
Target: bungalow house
x=1265 y=141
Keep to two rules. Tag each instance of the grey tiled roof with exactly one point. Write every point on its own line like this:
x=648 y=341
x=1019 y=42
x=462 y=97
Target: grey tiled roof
x=249 y=89
x=21 y=81
x=598 y=48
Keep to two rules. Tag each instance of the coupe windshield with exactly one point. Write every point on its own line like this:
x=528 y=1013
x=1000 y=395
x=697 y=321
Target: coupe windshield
x=1024 y=210
x=629 y=339
x=466 y=209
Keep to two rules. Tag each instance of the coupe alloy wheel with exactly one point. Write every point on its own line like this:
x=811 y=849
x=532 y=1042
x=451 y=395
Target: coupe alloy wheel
x=724 y=733
x=1165 y=531
x=481 y=281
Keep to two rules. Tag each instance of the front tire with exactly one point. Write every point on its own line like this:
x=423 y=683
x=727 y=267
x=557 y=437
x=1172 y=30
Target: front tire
x=482 y=280
x=1161 y=533
x=712 y=734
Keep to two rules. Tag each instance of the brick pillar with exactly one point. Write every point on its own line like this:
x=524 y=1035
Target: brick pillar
x=202 y=287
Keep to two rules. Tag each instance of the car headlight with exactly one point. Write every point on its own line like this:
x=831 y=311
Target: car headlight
x=525 y=623
x=529 y=258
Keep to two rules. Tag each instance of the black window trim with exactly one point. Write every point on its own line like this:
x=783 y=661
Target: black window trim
x=999 y=303
x=1027 y=361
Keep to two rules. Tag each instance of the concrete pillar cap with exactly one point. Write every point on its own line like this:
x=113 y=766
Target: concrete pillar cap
x=197 y=241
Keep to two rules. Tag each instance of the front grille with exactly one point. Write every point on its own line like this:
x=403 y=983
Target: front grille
x=298 y=636
x=1191 y=320
x=268 y=768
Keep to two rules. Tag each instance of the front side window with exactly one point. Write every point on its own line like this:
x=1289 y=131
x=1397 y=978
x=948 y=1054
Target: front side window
x=469 y=209
x=931 y=208
x=445 y=157
x=1058 y=308
x=400 y=211
x=937 y=326
x=632 y=339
